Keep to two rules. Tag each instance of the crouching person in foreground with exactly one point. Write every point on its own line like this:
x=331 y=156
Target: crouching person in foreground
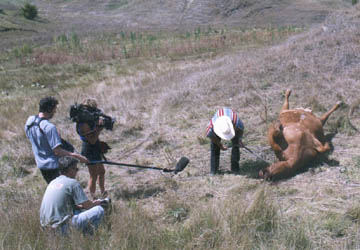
x=65 y=203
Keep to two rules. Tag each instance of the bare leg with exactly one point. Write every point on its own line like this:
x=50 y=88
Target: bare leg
x=325 y=116
x=92 y=180
x=101 y=178
x=286 y=101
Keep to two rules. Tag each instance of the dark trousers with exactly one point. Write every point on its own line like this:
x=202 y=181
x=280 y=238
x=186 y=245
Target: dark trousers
x=50 y=174
x=215 y=156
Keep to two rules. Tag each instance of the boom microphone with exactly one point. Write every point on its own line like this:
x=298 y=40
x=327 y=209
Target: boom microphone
x=181 y=165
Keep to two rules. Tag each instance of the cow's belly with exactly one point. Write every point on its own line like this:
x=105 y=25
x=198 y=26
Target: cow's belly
x=301 y=147
x=303 y=119
x=293 y=134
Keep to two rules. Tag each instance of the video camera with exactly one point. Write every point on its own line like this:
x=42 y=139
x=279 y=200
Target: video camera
x=83 y=113
x=106 y=205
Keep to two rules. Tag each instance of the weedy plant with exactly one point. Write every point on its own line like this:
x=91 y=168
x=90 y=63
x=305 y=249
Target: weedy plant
x=23 y=51
x=29 y=11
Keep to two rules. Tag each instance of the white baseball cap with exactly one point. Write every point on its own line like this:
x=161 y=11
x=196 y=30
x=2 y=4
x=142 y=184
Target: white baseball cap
x=224 y=128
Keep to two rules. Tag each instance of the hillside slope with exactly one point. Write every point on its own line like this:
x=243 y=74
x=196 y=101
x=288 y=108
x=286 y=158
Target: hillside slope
x=83 y=17
x=163 y=105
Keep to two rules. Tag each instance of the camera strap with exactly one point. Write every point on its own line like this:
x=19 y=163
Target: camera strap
x=64 y=144
x=36 y=122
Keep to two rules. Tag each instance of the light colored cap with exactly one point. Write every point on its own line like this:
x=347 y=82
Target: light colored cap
x=224 y=128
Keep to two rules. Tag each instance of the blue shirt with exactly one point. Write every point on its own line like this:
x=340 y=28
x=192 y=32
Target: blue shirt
x=224 y=112
x=43 y=142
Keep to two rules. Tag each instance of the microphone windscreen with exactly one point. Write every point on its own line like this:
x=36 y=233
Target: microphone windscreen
x=182 y=163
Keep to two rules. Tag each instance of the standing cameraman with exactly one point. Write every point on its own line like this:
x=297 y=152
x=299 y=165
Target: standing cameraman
x=45 y=140
x=89 y=134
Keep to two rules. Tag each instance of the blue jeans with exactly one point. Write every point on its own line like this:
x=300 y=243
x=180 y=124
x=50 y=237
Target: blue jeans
x=88 y=220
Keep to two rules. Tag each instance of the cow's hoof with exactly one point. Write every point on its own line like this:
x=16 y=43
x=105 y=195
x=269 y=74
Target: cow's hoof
x=261 y=174
x=288 y=93
x=264 y=174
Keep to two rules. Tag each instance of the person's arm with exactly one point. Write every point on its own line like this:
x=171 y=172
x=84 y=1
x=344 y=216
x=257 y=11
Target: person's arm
x=89 y=204
x=81 y=201
x=91 y=135
x=54 y=141
x=58 y=151
x=216 y=140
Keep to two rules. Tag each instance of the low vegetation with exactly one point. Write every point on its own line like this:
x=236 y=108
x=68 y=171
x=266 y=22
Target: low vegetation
x=29 y=11
x=163 y=87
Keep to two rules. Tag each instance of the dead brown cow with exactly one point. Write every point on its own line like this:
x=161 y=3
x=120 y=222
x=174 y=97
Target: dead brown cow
x=296 y=138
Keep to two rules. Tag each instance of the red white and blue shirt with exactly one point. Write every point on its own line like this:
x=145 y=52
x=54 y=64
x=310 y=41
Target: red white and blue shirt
x=224 y=112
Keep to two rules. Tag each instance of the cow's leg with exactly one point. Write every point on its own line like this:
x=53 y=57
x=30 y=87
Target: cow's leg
x=275 y=136
x=320 y=147
x=278 y=170
x=285 y=168
x=286 y=101
x=325 y=116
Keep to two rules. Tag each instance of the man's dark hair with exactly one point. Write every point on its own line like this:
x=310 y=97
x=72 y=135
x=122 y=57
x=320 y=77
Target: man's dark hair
x=65 y=163
x=48 y=104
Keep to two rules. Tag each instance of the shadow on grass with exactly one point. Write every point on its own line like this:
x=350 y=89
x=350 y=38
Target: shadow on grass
x=321 y=160
x=249 y=168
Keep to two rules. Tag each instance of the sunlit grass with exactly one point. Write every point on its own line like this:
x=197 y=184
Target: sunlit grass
x=163 y=88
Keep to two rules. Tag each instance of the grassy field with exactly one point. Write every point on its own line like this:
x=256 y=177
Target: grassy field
x=163 y=86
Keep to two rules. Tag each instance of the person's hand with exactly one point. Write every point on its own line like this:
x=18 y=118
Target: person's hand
x=241 y=144
x=82 y=158
x=101 y=122
x=223 y=147
x=97 y=202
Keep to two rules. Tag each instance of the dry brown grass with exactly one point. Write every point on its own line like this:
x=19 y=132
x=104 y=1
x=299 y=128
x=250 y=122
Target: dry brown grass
x=162 y=107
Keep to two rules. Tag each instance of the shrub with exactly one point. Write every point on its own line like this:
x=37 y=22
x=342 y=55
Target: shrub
x=29 y=11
